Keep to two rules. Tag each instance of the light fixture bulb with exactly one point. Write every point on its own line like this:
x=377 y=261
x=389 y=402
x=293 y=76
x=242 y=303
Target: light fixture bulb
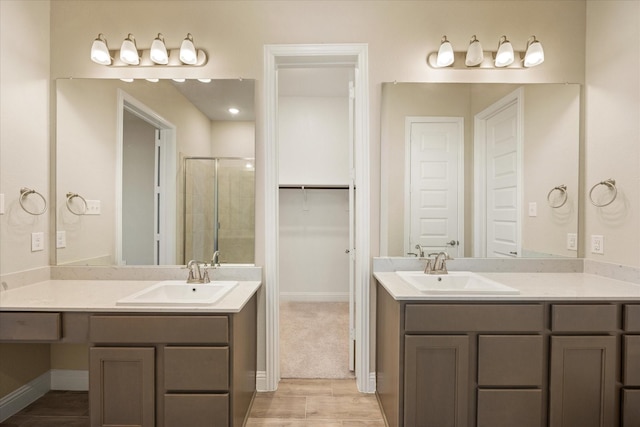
x=233 y=110
x=475 y=54
x=504 y=56
x=445 y=53
x=100 y=51
x=127 y=80
x=204 y=80
x=188 y=54
x=129 y=52
x=535 y=54
x=153 y=80
x=179 y=80
x=158 y=52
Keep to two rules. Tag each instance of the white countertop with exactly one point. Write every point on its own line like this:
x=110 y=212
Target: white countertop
x=532 y=286
x=101 y=296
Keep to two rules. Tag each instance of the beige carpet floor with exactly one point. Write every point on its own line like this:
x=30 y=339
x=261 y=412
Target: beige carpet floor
x=314 y=340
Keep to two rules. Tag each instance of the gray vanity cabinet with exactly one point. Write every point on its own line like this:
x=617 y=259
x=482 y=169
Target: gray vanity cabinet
x=172 y=370
x=631 y=367
x=507 y=363
x=582 y=385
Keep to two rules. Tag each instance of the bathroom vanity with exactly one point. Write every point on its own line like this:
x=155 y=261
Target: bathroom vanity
x=565 y=351
x=149 y=366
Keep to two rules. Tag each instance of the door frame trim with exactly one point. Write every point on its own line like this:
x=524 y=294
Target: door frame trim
x=409 y=120
x=479 y=167
x=307 y=55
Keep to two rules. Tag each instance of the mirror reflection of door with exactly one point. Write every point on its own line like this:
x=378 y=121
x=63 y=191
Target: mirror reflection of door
x=140 y=191
x=436 y=185
x=498 y=148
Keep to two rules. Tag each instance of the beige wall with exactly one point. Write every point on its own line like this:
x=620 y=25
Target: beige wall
x=612 y=127
x=24 y=128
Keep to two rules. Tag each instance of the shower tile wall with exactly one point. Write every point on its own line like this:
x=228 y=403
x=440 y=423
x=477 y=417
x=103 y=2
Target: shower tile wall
x=199 y=210
x=236 y=192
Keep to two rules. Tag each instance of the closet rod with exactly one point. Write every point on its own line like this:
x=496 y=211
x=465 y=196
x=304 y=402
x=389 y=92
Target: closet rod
x=315 y=187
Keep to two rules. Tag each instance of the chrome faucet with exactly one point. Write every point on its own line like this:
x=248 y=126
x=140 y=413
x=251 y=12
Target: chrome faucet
x=420 y=251
x=195 y=274
x=438 y=264
x=215 y=259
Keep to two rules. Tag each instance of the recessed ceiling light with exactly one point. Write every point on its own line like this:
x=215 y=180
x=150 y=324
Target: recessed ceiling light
x=234 y=110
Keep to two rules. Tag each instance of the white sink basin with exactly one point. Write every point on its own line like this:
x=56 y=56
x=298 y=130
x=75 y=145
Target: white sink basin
x=455 y=282
x=179 y=292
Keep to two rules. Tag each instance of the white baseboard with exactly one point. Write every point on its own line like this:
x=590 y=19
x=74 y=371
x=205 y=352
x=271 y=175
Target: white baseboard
x=315 y=296
x=19 y=399
x=67 y=379
x=261 y=381
x=372 y=382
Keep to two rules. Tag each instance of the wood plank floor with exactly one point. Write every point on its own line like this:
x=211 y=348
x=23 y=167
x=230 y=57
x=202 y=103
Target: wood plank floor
x=296 y=403
x=315 y=403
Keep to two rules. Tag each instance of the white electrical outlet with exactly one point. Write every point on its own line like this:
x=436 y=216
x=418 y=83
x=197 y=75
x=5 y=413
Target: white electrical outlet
x=93 y=207
x=597 y=244
x=37 y=241
x=533 y=209
x=61 y=239
x=572 y=241
x=1 y=204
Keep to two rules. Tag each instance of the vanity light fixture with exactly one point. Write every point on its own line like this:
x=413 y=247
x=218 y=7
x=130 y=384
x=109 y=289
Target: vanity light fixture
x=534 y=54
x=204 y=80
x=157 y=54
x=475 y=54
x=129 y=51
x=100 y=51
x=179 y=80
x=159 y=51
x=153 y=80
x=127 y=80
x=476 y=58
x=445 y=53
x=504 y=56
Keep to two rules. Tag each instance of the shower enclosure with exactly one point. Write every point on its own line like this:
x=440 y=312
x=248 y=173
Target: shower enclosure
x=219 y=209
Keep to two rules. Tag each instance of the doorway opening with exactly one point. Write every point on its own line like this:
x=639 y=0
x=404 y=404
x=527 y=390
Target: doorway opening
x=145 y=185
x=353 y=57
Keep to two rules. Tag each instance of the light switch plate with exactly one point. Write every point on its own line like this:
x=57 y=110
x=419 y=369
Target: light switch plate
x=93 y=207
x=61 y=239
x=597 y=244
x=572 y=241
x=37 y=241
x=533 y=209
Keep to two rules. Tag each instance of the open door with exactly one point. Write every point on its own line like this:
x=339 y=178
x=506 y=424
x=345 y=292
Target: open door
x=352 y=233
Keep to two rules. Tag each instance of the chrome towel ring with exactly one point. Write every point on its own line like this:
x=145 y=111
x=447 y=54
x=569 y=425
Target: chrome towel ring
x=562 y=189
x=611 y=185
x=70 y=197
x=26 y=192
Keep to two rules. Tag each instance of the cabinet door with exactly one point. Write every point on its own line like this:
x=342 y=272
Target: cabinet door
x=630 y=408
x=583 y=381
x=436 y=391
x=510 y=408
x=121 y=386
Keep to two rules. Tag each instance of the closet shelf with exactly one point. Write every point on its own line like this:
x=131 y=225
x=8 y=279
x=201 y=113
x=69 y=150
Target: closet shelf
x=313 y=187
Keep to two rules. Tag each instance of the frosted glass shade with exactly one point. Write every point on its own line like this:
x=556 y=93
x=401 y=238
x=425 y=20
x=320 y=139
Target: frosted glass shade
x=158 y=52
x=475 y=54
x=100 y=52
x=129 y=51
x=188 y=54
x=445 y=54
x=534 y=55
x=504 y=57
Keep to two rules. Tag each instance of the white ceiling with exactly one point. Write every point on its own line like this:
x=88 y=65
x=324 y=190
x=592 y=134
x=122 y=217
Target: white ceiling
x=215 y=98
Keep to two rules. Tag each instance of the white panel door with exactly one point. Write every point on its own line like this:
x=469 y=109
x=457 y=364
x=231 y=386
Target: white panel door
x=435 y=207
x=502 y=183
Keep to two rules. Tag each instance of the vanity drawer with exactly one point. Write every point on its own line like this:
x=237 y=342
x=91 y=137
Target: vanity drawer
x=510 y=360
x=630 y=408
x=508 y=408
x=159 y=329
x=584 y=318
x=30 y=326
x=631 y=361
x=474 y=318
x=196 y=410
x=196 y=368
x=632 y=318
